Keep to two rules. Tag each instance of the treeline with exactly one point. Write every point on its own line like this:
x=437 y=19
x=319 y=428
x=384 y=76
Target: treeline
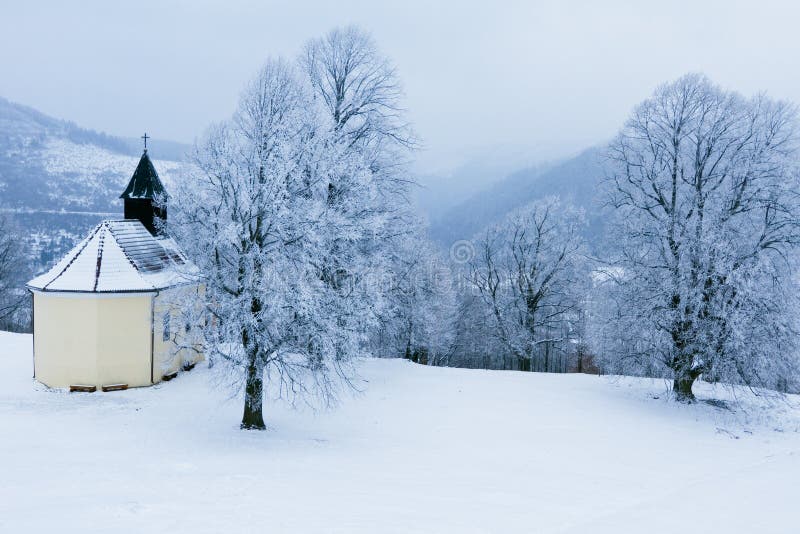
x=696 y=278
x=15 y=303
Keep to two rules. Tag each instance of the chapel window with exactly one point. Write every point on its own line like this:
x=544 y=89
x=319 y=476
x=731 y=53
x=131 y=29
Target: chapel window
x=166 y=327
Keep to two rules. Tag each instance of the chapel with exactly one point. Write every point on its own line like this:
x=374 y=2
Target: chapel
x=107 y=315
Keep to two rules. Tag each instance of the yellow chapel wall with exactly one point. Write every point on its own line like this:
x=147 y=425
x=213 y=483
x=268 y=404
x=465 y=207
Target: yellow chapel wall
x=124 y=340
x=92 y=339
x=64 y=330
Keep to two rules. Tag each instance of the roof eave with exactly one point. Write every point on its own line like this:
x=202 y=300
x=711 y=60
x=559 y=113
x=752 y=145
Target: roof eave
x=35 y=289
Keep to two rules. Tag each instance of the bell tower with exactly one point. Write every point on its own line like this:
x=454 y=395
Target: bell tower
x=145 y=196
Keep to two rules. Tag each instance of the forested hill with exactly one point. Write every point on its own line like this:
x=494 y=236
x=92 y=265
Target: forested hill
x=575 y=181
x=57 y=179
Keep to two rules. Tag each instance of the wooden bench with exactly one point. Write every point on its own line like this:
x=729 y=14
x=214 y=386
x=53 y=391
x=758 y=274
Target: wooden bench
x=82 y=388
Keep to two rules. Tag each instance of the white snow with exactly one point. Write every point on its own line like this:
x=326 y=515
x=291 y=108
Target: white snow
x=65 y=157
x=81 y=175
x=420 y=450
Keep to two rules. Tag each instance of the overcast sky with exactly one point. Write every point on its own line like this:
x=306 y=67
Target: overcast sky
x=552 y=77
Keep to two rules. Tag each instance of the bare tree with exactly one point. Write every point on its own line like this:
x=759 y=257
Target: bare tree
x=14 y=272
x=359 y=90
x=527 y=272
x=705 y=189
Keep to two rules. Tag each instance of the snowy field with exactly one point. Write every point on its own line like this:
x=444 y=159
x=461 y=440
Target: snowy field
x=420 y=450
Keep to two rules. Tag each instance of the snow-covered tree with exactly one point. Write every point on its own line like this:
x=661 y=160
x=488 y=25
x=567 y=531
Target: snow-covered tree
x=417 y=322
x=527 y=273
x=14 y=272
x=703 y=281
x=359 y=95
x=288 y=215
x=360 y=92
x=475 y=344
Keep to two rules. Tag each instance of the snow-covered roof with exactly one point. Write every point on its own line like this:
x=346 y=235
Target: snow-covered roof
x=119 y=256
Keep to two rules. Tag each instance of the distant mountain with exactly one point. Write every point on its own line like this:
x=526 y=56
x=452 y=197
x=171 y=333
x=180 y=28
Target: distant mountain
x=478 y=169
x=59 y=179
x=575 y=181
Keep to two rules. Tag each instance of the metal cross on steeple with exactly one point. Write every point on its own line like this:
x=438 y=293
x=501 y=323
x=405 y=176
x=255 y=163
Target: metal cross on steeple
x=145 y=137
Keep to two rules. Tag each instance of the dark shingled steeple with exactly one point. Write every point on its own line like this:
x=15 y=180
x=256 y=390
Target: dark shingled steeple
x=144 y=188
x=144 y=182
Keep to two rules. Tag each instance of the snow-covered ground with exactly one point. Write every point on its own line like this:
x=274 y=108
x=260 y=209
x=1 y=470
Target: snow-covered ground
x=420 y=450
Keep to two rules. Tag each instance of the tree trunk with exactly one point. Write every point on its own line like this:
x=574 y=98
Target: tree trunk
x=682 y=388
x=253 y=418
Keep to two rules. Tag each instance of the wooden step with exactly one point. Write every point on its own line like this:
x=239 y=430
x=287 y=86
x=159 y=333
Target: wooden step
x=115 y=387
x=82 y=388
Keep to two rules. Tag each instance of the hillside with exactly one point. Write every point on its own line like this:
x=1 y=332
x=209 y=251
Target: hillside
x=59 y=179
x=441 y=188
x=421 y=450
x=575 y=180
